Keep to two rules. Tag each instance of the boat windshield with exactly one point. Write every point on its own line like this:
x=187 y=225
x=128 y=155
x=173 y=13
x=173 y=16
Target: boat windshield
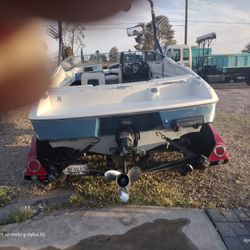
x=104 y=59
x=110 y=60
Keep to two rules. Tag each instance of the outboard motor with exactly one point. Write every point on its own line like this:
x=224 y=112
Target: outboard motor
x=126 y=137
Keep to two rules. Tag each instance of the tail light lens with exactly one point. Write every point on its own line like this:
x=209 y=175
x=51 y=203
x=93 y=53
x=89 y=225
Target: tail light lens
x=34 y=165
x=219 y=150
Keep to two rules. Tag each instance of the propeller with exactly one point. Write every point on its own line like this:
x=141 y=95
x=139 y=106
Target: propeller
x=112 y=175
x=123 y=194
x=134 y=174
x=124 y=180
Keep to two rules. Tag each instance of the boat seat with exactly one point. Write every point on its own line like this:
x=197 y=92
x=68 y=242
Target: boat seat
x=93 y=78
x=111 y=79
x=113 y=76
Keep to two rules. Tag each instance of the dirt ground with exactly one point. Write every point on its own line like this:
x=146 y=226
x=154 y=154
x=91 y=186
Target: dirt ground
x=225 y=186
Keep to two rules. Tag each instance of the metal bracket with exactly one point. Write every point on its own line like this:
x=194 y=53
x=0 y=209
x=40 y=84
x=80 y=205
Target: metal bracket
x=178 y=146
x=80 y=153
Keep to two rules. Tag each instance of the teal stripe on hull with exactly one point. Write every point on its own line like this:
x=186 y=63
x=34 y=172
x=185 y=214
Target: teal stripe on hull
x=75 y=128
x=65 y=129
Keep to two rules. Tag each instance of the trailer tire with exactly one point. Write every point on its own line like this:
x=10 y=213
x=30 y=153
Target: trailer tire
x=198 y=146
x=237 y=79
x=248 y=78
x=52 y=158
x=227 y=79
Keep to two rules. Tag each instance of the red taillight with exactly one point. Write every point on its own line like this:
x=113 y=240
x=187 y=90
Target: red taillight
x=219 y=150
x=34 y=165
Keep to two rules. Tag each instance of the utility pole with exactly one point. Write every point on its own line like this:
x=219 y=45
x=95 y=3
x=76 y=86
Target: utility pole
x=186 y=21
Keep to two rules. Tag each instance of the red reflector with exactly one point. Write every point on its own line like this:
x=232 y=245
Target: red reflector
x=219 y=150
x=34 y=165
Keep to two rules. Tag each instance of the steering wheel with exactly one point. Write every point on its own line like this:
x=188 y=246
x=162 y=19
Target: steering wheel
x=133 y=68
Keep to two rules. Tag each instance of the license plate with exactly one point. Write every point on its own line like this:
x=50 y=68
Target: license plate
x=76 y=170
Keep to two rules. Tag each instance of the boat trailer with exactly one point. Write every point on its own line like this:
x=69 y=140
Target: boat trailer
x=206 y=153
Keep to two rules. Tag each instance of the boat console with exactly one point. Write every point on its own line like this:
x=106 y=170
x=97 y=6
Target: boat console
x=134 y=68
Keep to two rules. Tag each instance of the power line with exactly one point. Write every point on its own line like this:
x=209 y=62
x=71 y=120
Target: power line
x=117 y=28
x=173 y=21
x=100 y=24
x=215 y=22
x=232 y=42
x=106 y=28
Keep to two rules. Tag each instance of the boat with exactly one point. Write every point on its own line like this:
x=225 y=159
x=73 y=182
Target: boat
x=152 y=96
x=174 y=100
x=144 y=103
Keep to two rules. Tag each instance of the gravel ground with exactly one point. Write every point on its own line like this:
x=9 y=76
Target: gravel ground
x=233 y=122
x=223 y=186
x=15 y=136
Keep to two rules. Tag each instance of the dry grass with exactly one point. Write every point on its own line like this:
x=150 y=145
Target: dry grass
x=151 y=189
x=21 y=215
x=6 y=195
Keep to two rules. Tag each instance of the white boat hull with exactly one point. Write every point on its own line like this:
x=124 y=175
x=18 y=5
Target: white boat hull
x=176 y=104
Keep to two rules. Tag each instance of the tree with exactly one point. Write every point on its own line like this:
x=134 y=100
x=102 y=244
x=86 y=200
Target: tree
x=103 y=58
x=70 y=34
x=98 y=57
x=67 y=52
x=113 y=53
x=246 y=49
x=73 y=34
x=165 y=34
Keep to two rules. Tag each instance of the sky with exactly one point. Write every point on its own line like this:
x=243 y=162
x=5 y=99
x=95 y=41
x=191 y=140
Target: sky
x=230 y=19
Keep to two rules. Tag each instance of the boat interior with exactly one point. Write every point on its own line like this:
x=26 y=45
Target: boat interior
x=129 y=67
